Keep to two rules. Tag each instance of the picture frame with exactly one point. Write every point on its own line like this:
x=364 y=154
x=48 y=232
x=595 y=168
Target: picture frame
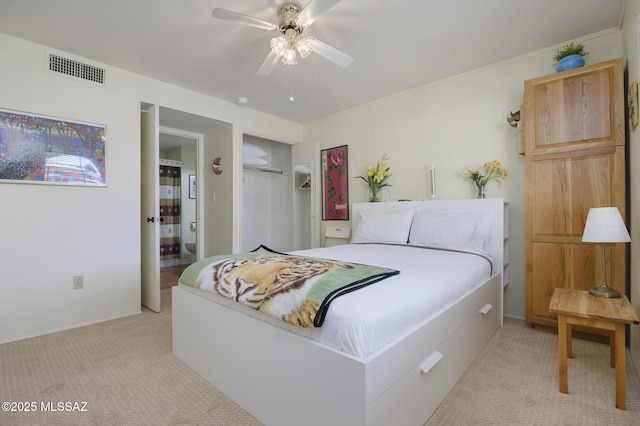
x=335 y=183
x=192 y=186
x=38 y=149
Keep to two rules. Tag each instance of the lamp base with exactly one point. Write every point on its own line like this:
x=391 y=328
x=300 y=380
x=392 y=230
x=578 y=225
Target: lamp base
x=603 y=290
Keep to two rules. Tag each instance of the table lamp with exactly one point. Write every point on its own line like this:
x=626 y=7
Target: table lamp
x=605 y=225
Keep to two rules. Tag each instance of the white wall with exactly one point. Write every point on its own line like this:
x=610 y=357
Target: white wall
x=631 y=31
x=454 y=123
x=51 y=233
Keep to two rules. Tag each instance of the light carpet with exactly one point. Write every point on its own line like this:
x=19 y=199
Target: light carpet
x=514 y=381
x=126 y=373
x=124 y=369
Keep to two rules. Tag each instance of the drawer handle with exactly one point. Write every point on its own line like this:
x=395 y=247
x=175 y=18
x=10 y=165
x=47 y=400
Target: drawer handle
x=485 y=309
x=430 y=362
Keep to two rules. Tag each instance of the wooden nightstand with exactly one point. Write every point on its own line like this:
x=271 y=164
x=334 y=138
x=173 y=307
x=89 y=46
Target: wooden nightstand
x=579 y=307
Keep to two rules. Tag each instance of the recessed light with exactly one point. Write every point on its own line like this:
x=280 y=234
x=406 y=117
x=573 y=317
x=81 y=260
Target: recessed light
x=291 y=99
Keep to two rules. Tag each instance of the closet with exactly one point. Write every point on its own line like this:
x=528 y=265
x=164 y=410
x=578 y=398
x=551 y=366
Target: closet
x=267 y=199
x=574 y=147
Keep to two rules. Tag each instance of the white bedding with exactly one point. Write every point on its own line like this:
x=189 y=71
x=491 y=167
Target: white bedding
x=365 y=321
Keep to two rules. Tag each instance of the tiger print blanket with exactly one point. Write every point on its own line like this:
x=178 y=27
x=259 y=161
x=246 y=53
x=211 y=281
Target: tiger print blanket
x=296 y=289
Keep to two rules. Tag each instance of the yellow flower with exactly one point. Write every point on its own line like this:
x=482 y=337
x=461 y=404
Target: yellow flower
x=377 y=175
x=492 y=170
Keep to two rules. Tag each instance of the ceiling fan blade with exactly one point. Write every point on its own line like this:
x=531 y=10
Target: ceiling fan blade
x=313 y=10
x=229 y=15
x=331 y=53
x=269 y=64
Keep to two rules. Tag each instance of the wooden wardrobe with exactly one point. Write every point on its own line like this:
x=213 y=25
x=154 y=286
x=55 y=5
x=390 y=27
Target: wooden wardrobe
x=574 y=147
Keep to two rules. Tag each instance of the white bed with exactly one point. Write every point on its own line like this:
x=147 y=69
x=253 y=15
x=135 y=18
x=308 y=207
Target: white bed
x=395 y=369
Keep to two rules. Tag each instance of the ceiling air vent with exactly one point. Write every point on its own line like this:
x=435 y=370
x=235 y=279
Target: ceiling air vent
x=76 y=69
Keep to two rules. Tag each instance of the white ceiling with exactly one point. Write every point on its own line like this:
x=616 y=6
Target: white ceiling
x=396 y=45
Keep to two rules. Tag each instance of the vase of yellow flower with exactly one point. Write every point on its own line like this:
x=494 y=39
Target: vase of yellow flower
x=376 y=178
x=491 y=170
x=481 y=193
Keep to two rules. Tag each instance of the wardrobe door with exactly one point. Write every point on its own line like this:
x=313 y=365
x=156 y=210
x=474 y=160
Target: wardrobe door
x=574 y=160
x=575 y=110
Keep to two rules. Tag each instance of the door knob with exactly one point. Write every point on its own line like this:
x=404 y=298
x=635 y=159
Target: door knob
x=150 y=219
x=161 y=219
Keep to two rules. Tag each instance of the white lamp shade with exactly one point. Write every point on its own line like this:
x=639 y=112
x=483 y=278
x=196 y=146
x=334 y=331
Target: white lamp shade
x=605 y=225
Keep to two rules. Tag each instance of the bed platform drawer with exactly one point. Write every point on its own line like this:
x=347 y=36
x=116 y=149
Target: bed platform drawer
x=478 y=333
x=425 y=385
x=422 y=391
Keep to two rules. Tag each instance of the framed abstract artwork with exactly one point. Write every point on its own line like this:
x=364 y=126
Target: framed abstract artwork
x=335 y=183
x=46 y=150
x=192 y=186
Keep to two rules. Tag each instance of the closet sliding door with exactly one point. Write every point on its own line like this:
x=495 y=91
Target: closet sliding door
x=306 y=196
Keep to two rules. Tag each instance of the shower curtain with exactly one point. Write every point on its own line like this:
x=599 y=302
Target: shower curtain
x=170 y=216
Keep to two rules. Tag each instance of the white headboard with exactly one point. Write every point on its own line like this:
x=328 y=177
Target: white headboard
x=494 y=205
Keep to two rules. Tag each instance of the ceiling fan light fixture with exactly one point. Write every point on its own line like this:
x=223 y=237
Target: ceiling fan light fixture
x=290 y=57
x=304 y=46
x=293 y=21
x=285 y=47
x=279 y=45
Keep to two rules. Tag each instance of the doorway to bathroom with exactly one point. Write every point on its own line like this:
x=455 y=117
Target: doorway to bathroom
x=178 y=204
x=213 y=139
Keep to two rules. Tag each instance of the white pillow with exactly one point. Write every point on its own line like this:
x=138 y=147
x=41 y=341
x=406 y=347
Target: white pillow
x=382 y=226
x=454 y=228
x=251 y=150
x=254 y=161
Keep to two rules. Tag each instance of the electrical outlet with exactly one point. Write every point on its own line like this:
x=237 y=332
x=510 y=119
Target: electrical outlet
x=78 y=282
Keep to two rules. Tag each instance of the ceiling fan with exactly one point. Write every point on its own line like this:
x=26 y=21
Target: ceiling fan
x=293 y=20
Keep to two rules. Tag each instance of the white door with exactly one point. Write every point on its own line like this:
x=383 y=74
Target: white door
x=150 y=208
x=306 y=230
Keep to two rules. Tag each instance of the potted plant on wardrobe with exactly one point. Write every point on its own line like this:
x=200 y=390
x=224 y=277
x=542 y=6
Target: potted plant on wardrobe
x=570 y=56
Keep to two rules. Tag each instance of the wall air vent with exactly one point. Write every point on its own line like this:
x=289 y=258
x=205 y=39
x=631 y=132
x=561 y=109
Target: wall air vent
x=76 y=69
